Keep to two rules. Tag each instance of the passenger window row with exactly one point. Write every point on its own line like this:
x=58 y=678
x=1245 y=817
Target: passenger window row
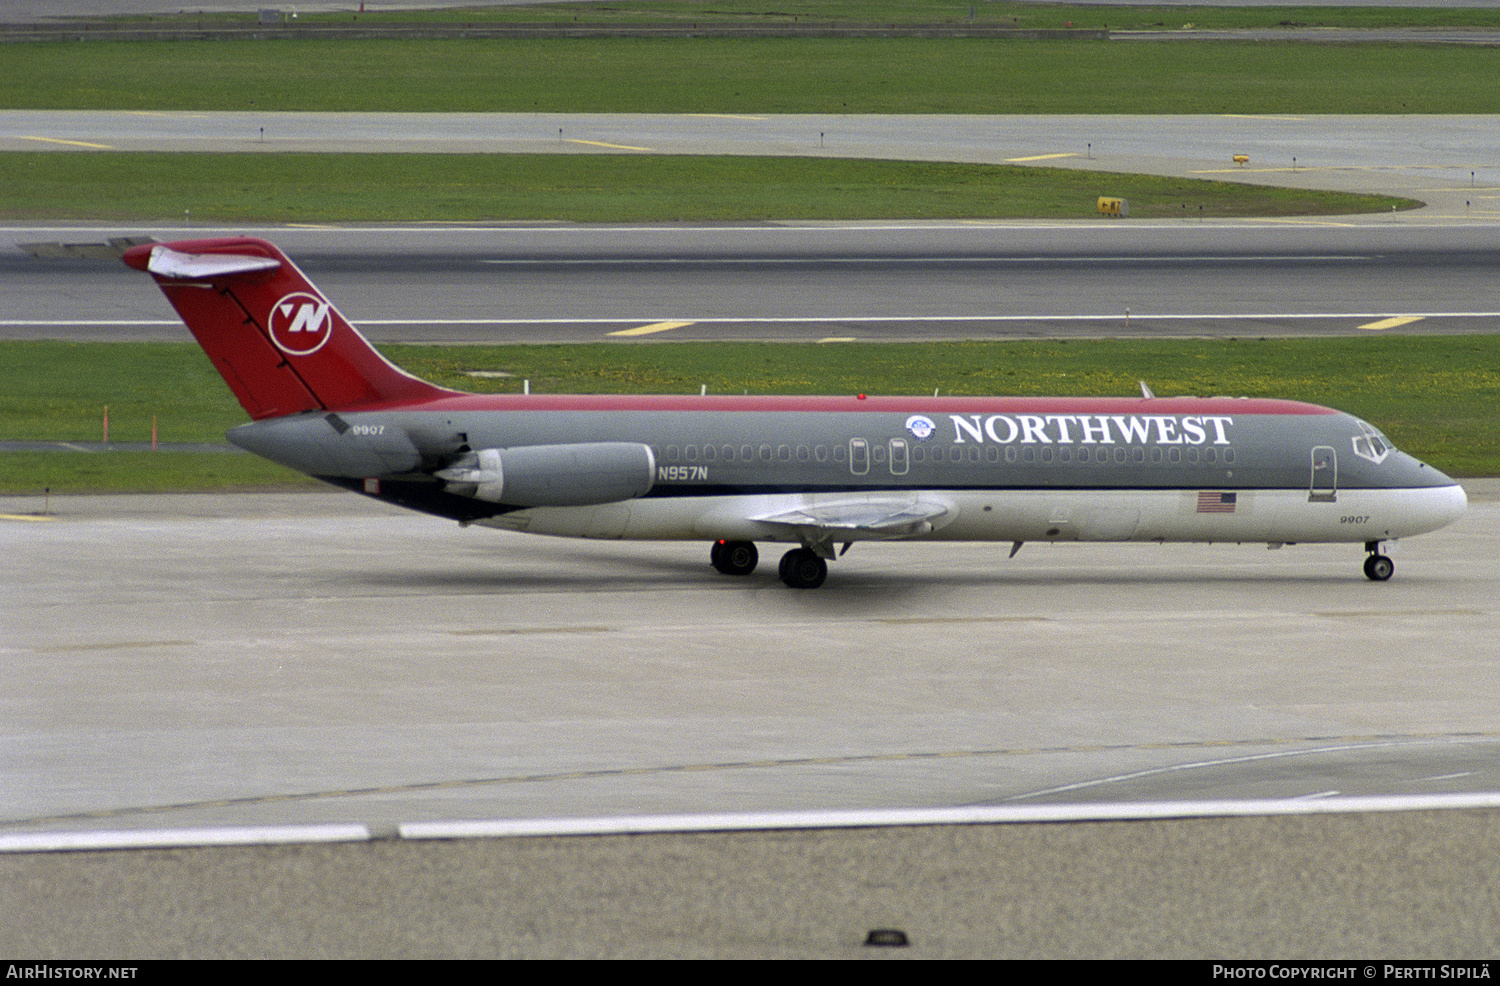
x=750 y=453
x=860 y=453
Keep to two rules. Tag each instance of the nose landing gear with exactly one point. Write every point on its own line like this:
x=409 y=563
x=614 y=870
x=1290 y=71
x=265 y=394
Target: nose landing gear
x=1378 y=567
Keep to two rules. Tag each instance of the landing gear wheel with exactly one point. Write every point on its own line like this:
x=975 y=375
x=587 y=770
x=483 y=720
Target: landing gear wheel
x=734 y=557
x=1378 y=568
x=801 y=568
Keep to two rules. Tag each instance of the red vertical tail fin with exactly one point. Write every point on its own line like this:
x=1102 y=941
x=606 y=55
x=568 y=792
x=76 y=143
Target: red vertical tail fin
x=278 y=343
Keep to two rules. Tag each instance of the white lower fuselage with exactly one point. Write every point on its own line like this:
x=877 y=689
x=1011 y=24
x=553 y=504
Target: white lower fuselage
x=1260 y=515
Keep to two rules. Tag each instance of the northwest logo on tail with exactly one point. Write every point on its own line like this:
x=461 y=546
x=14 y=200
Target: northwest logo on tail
x=300 y=323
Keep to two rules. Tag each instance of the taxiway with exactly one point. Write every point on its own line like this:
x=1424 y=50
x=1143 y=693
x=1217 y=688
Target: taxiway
x=357 y=664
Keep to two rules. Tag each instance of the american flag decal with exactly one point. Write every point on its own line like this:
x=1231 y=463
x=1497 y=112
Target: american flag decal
x=1216 y=503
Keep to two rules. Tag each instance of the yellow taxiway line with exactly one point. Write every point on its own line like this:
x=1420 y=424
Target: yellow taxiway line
x=600 y=143
x=645 y=330
x=1392 y=322
x=72 y=143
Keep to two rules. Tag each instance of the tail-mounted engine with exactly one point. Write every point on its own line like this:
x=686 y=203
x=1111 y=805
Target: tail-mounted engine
x=553 y=475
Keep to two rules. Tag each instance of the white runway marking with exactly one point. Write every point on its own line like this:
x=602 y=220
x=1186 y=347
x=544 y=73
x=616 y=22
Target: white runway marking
x=888 y=260
x=1328 y=803
x=1196 y=765
x=1113 y=316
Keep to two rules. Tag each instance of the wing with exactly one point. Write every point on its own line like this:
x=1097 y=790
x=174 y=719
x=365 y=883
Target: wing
x=865 y=519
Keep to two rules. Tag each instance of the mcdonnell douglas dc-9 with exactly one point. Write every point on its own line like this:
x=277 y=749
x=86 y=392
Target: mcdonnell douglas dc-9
x=811 y=472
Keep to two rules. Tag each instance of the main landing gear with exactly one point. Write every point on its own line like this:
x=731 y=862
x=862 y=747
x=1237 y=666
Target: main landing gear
x=734 y=557
x=801 y=568
x=1378 y=567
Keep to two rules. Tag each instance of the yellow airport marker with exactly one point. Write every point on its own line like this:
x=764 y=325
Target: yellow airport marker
x=1393 y=322
x=1037 y=157
x=33 y=518
x=71 y=143
x=838 y=339
x=645 y=330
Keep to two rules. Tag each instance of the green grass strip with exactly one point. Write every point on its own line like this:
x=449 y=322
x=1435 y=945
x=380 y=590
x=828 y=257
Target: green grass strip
x=39 y=473
x=58 y=391
x=749 y=76
x=604 y=188
x=1005 y=13
x=1434 y=395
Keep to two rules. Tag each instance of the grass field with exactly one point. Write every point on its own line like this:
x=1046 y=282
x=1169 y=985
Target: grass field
x=749 y=76
x=40 y=473
x=997 y=12
x=605 y=188
x=1434 y=396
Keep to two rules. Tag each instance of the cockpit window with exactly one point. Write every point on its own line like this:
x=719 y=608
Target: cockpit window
x=1371 y=444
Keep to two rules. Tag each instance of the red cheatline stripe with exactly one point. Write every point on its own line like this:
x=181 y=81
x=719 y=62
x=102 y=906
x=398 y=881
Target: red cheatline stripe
x=855 y=403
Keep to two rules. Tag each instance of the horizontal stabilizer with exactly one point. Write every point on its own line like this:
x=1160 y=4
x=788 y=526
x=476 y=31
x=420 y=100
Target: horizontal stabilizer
x=112 y=250
x=205 y=266
x=858 y=519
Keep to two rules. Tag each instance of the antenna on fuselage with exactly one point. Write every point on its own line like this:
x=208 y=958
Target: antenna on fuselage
x=1146 y=391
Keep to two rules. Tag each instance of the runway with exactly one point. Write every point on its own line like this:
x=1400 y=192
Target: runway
x=845 y=281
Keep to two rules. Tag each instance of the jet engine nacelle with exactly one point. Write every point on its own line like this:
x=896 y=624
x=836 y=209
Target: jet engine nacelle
x=554 y=475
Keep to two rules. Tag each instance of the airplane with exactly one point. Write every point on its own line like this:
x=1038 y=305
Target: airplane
x=811 y=472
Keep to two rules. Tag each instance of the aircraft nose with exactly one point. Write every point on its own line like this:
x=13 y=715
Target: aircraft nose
x=1458 y=505
x=1441 y=506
